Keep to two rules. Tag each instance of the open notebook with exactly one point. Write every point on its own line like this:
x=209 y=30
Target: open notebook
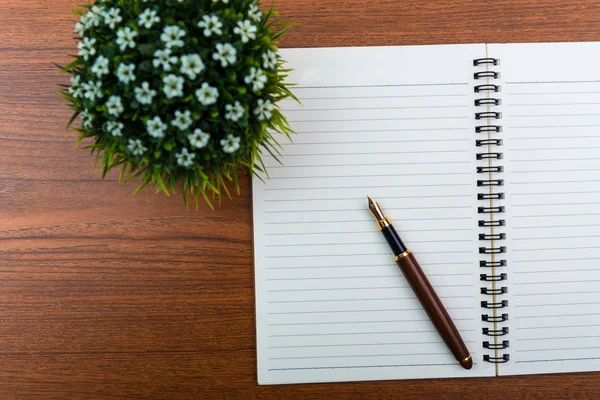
x=486 y=158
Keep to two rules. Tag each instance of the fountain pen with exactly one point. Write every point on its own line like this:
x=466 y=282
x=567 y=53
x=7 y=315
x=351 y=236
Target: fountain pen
x=422 y=288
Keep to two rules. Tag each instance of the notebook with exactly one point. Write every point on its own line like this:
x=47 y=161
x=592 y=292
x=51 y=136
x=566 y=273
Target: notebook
x=486 y=157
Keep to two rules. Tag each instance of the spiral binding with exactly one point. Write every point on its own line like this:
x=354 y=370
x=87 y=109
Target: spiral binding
x=490 y=117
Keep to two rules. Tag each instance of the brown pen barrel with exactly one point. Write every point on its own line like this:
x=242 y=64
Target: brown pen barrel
x=433 y=306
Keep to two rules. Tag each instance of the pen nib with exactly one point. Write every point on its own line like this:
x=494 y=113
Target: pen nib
x=375 y=209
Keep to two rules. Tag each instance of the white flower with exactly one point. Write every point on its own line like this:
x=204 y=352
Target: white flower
x=254 y=13
x=125 y=73
x=225 y=53
x=112 y=17
x=100 y=66
x=207 y=94
x=86 y=48
x=114 y=128
x=269 y=59
x=79 y=28
x=164 y=59
x=136 y=147
x=191 y=65
x=87 y=119
x=114 y=106
x=211 y=24
x=257 y=78
x=126 y=38
x=230 y=144
x=144 y=94
x=185 y=158
x=173 y=86
x=148 y=18
x=92 y=90
x=234 y=111
x=246 y=30
x=264 y=109
x=156 y=128
x=75 y=89
x=182 y=120
x=199 y=138
x=223 y=1
x=172 y=36
x=94 y=16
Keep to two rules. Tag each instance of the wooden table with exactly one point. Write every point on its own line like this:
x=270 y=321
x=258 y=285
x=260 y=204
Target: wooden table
x=107 y=295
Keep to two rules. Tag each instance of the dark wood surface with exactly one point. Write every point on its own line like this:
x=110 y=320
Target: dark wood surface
x=107 y=295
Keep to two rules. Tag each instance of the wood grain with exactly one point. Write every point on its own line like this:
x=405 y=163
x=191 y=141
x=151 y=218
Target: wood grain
x=107 y=295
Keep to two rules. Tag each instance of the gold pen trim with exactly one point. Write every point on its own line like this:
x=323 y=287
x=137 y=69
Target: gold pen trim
x=384 y=223
x=401 y=256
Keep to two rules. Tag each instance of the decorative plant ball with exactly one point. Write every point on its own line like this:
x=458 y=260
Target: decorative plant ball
x=179 y=93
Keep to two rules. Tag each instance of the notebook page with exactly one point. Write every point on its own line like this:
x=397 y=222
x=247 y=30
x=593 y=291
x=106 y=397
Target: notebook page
x=394 y=123
x=551 y=109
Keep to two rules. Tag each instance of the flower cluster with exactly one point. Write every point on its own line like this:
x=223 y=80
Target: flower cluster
x=178 y=91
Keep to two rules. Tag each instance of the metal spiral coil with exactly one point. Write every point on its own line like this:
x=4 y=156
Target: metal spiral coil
x=490 y=127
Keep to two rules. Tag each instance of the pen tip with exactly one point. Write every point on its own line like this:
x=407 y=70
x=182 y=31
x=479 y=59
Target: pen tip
x=467 y=363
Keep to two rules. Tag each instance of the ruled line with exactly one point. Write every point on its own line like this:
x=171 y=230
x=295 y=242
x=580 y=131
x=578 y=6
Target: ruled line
x=355 y=277
x=553 y=226
x=538 y=193
x=552 y=126
x=365 y=242
x=362 y=209
x=551 y=93
x=558 y=259
x=554 y=170
x=365 y=231
x=363 y=322
x=376 y=108
x=558 y=248
x=368 y=265
x=555 y=215
x=553 y=104
x=352 y=333
x=545 y=283
x=365 y=220
x=379 y=86
x=367 y=165
x=355 y=356
x=370 y=175
x=556 y=327
x=556 y=148
x=556 y=159
x=559 y=304
x=378 y=141
x=559 y=349
x=546 y=82
x=558 y=359
x=370 y=254
x=370 y=131
x=557 y=293
x=367 y=299
x=365 y=187
x=354 y=288
x=556 y=315
x=377 y=119
x=549 y=271
x=358 y=344
x=360 y=366
x=384 y=97
x=555 y=237
x=554 y=115
x=376 y=153
x=559 y=337
x=357 y=311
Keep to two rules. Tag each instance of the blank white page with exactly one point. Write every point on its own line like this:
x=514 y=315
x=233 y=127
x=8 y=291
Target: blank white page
x=551 y=118
x=395 y=123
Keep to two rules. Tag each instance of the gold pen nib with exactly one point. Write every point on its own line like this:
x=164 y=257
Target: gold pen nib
x=376 y=210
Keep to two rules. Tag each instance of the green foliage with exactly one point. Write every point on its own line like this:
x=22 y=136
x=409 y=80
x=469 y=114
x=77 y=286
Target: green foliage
x=140 y=60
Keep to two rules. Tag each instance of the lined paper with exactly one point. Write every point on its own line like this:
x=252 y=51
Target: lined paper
x=551 y=110
x=397 y=124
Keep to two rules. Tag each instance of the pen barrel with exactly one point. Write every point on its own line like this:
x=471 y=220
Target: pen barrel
x=433 y=305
